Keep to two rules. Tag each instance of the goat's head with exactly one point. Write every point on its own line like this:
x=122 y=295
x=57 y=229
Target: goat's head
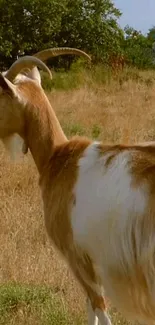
x=12 y=101
x=21 y=89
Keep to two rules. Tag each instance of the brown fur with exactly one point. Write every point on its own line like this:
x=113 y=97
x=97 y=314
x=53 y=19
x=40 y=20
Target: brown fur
x=141 y=165
x=47 y=129
x=99 y=303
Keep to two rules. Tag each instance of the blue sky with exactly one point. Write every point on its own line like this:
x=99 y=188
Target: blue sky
x=139 y=14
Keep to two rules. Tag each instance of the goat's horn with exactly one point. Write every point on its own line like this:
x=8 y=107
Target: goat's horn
x=26 y=62
x=52 y=52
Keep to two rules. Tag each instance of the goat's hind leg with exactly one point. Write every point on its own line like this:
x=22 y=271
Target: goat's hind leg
x=97 y=307
x=92 y=317
x=103 y=317
x=83 y=269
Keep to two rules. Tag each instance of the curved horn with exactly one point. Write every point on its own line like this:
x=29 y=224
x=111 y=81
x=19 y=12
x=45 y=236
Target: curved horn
x=26 y=62
x=52 y=52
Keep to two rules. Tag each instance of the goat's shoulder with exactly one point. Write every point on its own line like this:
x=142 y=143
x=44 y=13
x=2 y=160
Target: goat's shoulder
x=81 y=154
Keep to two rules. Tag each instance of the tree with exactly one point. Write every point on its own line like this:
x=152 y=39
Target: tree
x=31 y=25
x=138 y=48
x=91 y=25
x=28 y=25
x=151 y=34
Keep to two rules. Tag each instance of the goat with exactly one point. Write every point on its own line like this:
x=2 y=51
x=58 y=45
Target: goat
x=44 y=55
x=98 y=203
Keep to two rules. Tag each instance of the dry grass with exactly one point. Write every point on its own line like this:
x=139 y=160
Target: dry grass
x=118 y=113
x=123 y=113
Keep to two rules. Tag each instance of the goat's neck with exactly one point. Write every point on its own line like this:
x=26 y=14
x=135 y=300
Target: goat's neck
x=42 y=129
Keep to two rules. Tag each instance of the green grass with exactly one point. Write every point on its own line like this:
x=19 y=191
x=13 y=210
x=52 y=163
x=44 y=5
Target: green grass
x=73 y=129
x=81 y=74
x=36 y=305
x=96 y=130
x=23 y=304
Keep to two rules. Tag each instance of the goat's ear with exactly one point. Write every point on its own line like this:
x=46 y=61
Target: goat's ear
x=35 y=75
x=6 y=86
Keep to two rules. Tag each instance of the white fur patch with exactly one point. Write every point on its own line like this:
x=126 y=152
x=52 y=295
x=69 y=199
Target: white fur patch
x=107 y=214
x=92 y=318
x=14 y=145
x=104 y=198
x=97 y=316
x=103 y=317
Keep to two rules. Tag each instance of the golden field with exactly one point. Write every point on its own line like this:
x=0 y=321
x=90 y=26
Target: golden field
x=117 y=111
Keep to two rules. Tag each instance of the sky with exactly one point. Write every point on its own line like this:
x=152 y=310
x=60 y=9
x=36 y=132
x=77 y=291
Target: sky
x=139 y=14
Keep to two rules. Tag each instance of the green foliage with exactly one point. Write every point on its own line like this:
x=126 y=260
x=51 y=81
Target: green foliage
x=28 y=26
x=151 y=34
x=91 y=25
x=138 y=49
x=63 y=80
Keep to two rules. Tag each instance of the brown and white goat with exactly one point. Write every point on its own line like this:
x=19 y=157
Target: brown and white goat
x=98 y=203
